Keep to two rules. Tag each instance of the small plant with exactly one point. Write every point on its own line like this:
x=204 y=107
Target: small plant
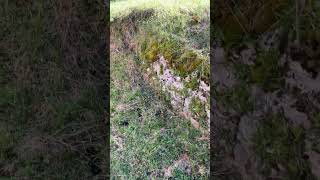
x=192 y=84
x=266 y=72
x=198 y=109
x=237 y=98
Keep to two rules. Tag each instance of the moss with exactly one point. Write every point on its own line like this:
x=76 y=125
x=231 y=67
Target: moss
x=170 y=49
x=278 y=143
x=152 y=52
x=179 y=59
x=188 y=62
x=151 y=46
x=266 y=72
x=148 y=48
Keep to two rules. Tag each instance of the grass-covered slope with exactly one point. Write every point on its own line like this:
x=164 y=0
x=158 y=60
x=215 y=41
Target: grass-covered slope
x=149 y=137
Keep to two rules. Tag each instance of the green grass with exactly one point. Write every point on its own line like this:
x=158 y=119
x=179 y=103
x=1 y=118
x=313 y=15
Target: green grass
x=147 y=137
x=237 y=98
x=278 y=142
x=163 y=7
x=152 y=138
x=47 y=122
x=267 y=72
x=178 y=30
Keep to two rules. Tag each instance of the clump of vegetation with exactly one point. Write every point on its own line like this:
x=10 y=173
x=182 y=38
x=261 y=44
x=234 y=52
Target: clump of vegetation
x=316 y=120
x=279 y=144
x=192 y=84
x=188 y=62
x=242 y=72
x=266 y=72
x=237 y=98
x=180 y=59
x=198 y=109
x=151 y=46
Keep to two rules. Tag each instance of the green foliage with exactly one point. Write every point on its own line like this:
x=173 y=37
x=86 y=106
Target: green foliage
x=40 y=74
x=153 y=139
x=180 y=59
x=242 y=72
x=152 y=52
x=196 y=106
x=266 y=71
x=188 y=62
x=276 y=142
x=316 y=120
x=198 y=109
x=179 y=174
x=192 y=84
x=237 y=98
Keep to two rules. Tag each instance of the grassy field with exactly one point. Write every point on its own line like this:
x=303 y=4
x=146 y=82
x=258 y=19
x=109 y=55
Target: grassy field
x=149 y=139
x=52 y=78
